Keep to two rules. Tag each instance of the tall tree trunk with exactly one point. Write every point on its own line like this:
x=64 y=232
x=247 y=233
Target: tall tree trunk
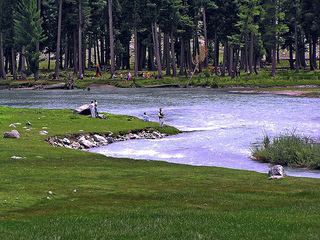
x=206 y=62
x=98 y=53
x=66 y=52
x=225 y=50
x=23 y=63
x=95 y=52
x=310 y=54
x=75 y=63
x=296 y=43
x=291 y=56
x=251 y=53
x=151 y=66
x=182 y=58
x=90 y=52
x=314 y=54
x=216 y=52
x=274 y=61
x=58 y=41
x=80 y=40
x=3 y=74
x=245 y=55
x=111 y=37
x=49 y=60
x=274 y=47
x=230 y=67
x=36 y=75
x=167 y=53
x=173 y=56
x=302 y=55
x=13 y=59
x=136 y=52
x=156 y=48
x=189 y=57
x=101 y=53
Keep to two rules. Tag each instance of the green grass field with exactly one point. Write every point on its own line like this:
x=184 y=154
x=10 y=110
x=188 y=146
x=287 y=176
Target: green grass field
x=59 y=193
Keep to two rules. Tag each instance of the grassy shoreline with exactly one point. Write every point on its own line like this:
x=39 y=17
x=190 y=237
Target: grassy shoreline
x=59 y=193
x=284 y=79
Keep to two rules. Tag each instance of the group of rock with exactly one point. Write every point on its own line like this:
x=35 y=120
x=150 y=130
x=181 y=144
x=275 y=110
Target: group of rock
x=90 y=140
x=16 y=134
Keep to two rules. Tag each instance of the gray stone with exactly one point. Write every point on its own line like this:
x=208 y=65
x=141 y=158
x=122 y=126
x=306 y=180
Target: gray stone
x=109 y=139
x=102 y=116
x=84 y=110
x=65 y=141
x=12 y=125
x=28 y=123
x=276 y=171
x=99 y=138
x=86 y=143
x=76 y=145
x=12 y=134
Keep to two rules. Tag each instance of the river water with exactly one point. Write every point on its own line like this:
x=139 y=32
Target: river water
x=218 y=127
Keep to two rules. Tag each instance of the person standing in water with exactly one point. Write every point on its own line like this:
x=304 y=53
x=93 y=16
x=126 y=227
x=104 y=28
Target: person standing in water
x=161 y=117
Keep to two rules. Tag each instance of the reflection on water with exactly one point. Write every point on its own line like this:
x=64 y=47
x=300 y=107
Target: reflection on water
x=219 y=127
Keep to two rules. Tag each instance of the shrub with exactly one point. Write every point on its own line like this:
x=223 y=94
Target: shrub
x=288 y=149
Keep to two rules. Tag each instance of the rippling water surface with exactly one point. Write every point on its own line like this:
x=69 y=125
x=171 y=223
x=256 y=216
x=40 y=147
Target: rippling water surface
x=218 y=127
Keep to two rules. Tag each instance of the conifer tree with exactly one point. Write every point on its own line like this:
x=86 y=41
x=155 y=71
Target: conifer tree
x=29 y=32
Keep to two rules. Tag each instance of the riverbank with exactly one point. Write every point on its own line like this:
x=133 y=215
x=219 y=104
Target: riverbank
x=298 y=91
x=66 y=193
x=290 y=92
x=283 y=79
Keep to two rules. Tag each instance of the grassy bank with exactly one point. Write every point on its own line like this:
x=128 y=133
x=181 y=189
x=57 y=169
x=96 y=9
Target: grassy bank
x=59 y=193
x=283 y=78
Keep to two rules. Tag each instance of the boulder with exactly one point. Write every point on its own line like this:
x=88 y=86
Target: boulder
x=99 y=138
x=276 y=171
x=86 y=143
x=76 y=145
x=83 y=110
x=65 y=141
x=12 y=134
x=110 y=140
x=102 y=116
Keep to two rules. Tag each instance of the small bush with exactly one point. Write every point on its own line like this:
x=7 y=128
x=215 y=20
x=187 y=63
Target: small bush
x=288 y=149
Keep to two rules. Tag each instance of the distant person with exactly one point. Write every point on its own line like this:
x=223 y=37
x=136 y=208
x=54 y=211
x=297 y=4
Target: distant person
x=129 y=76
x=145 y=117
x=161 y=117
x=95 y=108
x=92 y=109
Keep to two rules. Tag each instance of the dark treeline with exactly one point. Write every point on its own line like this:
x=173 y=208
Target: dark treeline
x=171 y=36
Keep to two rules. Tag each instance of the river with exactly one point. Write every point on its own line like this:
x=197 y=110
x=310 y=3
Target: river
x=218 y=127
